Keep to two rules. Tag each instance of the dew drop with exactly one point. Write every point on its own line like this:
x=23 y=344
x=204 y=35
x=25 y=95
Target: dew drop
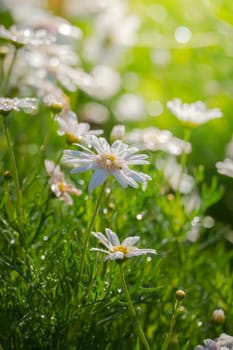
x=139 y=217
x=108 y=190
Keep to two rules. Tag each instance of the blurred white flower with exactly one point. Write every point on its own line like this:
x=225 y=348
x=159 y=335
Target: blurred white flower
x=114 y=31
x=26 y=36
x=58 y=185
x=72 y=129
x=194 y=113
x=175 y=176
x=32 y=13
x=94 y=112
x=49 y=92
x=129 y=107
x=105 y=83
x=27 y=104
x=108 y=160
x=115 y=249
x=50 y=63
x=225 y=167
x=155 y=139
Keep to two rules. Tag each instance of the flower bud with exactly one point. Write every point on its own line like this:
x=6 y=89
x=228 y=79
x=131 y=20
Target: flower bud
x=180 y=294
x=56 y=107
x=7 y=174
x=218 y=316
x=117 y=133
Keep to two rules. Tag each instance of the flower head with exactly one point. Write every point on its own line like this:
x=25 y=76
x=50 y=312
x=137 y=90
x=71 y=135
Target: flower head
x=28 y=105
x=225 y=167
x=210 y=345
x=72 y=129
x=58 y=185
x=194 y=113
x=108 y=160
x=155 y=139
x=115 y=249
x=224 y=342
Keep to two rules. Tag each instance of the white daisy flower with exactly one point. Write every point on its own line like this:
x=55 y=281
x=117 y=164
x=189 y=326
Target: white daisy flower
x=211 y=345
x=194 y=113
x=72 y=129
x=108 y=160
x=225 y=167
x=60 y=188
x=155 y=139
x=115 y=249
x=28 y=105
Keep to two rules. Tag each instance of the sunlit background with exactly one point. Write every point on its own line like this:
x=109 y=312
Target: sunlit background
x=142 y=54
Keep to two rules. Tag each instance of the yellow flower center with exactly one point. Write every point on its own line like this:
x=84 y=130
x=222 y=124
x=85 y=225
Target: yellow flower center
x=71 y=138
x=64 y=188
x=120 y=248
x=110 y=161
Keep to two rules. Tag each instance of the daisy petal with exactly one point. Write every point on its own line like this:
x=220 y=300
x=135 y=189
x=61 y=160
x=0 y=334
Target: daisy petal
x=98 y=178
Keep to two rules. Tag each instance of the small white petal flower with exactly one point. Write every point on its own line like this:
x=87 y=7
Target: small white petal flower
x=211 y=345
x=108 y=160
x=28 y=105
x=225 y=167
x=116 y=250
x=72 y=129
x=155 y=139
x=58 y=185
x=194 y=113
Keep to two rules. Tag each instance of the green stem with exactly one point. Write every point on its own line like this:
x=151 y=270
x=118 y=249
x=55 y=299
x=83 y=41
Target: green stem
x=90 y=226
x=39 y=156
x=184 y=156
x=15 y=175
x=132 y=310
x=6 y=81
x=171 y=327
